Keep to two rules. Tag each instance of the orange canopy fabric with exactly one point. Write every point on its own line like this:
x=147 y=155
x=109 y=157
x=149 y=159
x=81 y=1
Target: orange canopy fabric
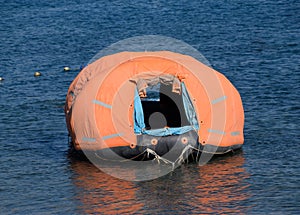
x=100 y=101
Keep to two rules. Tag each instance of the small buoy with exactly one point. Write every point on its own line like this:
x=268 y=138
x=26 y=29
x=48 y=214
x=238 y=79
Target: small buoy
x=66 y=68
x=1 y=79
x=36 y=74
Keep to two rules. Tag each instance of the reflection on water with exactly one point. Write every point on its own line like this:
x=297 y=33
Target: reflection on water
x=99 y=192
x=218 y=186
x=222 y=186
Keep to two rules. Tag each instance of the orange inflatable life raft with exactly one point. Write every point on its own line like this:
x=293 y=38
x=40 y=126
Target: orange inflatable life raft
x=130 y=101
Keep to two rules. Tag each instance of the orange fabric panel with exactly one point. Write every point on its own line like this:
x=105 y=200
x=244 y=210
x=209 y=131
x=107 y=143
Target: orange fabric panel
x=234 y=124
x=83 y=119
x=117 y=92
x=228 y=111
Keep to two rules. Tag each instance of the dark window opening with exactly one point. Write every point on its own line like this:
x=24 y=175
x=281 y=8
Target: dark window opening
x=163 y=108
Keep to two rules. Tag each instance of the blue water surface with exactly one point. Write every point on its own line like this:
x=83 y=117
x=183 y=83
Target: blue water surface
x=254 y=43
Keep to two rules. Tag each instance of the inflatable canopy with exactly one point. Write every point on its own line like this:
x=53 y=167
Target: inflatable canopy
x=150 y=99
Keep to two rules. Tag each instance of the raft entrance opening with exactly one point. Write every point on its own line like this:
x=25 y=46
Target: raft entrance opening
x=163 y=107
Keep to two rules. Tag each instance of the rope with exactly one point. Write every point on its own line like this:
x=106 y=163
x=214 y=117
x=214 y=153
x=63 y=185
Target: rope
x=215 y=153
x=150 y=151
x=158 y=158
x=179 y=160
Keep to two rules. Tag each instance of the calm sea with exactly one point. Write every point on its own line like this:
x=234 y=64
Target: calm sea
x=254 y=43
